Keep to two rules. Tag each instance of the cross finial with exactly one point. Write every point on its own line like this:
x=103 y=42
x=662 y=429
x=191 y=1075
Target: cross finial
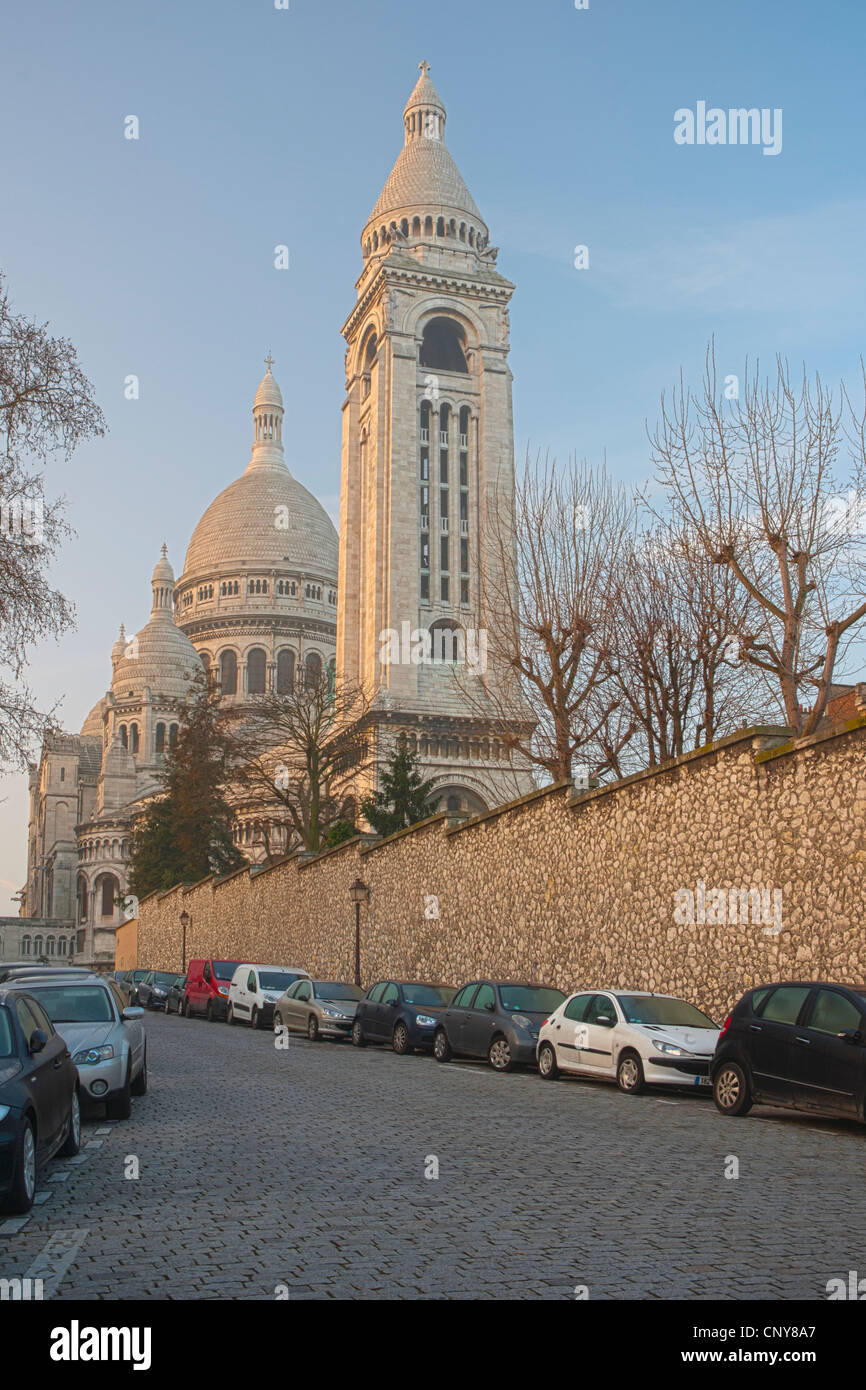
x=164 y=550
x=425 y=67
x=269 y=361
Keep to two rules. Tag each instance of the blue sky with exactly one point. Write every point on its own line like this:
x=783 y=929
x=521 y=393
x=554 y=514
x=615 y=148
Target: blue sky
x=261 y=126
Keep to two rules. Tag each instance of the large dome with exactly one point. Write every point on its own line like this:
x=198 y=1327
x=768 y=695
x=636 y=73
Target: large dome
x=265 y=517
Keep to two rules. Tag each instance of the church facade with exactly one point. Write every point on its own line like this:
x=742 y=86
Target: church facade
x=427 y=461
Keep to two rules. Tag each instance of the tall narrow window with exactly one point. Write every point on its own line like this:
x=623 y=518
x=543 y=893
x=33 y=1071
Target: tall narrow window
x=228 y=673
x=256 y=671
x=133 y=733
x=160 y=738
x=172 y=736
x=285 y=671
x=313 y=667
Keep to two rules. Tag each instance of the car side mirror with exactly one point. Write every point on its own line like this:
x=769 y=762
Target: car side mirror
x=38 y=1040
x=605 y=1021
x=490 y=1007
x=853 y=1036
x=130 y=1015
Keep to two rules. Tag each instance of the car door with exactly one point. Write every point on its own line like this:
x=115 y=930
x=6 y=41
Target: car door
x=371 y=1017
x=480 y=1022
x=45 y=1077
x=458 y=1014
x=828 y=1055
x=770 y=1043
x=567 y=1032
x=595 y=1038
x=302 y=994
x=387 y=1009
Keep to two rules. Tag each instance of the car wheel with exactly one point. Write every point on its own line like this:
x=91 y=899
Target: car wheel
x=209 y=1013
x=400 y=1040
x=139 y=1085
x=119 y=1106
x=313 y=1028
x=441 y=1046
x=629 y=1074
x=20 y=1196
x=255 y=1021
x=187 y=1011
x=278 y=1021
x=230 y=1016
x=547 y=1068
x=499 y=1054
x=72 y=1142
x=358 y=1034
x=731 y=1090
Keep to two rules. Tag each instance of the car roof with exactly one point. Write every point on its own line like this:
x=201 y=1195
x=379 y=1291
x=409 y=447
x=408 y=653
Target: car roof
x=25 y=983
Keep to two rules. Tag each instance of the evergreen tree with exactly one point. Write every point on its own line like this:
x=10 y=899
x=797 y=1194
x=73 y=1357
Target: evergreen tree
x=405 y=796
x=186 y=833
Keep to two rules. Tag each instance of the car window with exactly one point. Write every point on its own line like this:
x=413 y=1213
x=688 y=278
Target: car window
x=26 y=1019
x=832 y=1013
x=576 y=1007
x=463 y=998
x=251 y=982
x=117 y=996
x=601 y=1007
x=758 y=996
x=375 y=993
x=7 y=1039
x=304 y=990
x=484 y=997
x=785 y=1003
x=206 y=973
x=391 y=995
x=42 y=1019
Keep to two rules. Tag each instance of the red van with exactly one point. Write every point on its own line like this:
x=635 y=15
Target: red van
x=207 y=988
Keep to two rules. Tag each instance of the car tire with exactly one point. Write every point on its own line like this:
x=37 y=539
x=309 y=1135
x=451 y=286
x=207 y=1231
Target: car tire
x=72 y=1143
x=629 y=1073
x=139 y=1086
x=119 y=1106
x=209 y=1012
x=358 y=1039
x=400 y=1039
x=499 y=1054
x=547 y=1068
x=186 y=1010
x=22 y=1190
x=278 y=1021
x=441 y=1046
x=731 y=1091
x=230 y=1016
x=313 y=1028
x=255 y=1021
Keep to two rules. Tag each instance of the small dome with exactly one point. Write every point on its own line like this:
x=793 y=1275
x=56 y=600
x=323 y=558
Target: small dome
x=92 y=726
x=269 y=392
x=160 y=656
x=162 y=570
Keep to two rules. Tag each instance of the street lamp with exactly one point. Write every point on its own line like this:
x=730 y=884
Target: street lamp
x=359 y=893
x=184 y=922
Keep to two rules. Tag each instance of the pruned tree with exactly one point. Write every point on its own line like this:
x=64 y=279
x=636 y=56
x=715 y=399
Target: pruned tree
x=761 y=481
x=46 y=407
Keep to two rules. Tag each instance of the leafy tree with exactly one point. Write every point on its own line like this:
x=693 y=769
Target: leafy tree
x=186 y=833
x=404 y=797
x=338 y=833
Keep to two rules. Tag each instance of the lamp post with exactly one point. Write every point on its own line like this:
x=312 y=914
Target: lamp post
x=184 y=922
x=359 y=893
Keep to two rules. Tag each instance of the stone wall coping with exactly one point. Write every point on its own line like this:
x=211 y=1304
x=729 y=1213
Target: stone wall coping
x=836 y=730
x=327 y=853
x=515 y=805
x=407 y=830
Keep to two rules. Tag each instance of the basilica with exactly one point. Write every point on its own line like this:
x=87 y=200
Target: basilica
x=269 y=592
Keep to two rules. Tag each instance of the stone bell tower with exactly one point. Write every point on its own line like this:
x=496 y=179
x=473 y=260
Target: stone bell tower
x=427 y=464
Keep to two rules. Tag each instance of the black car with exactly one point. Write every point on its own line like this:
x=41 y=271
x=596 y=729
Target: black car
x=796 y=1044
x=174 y=997
x=402 y=1013
x=496 y=1019
x=39 y=1110
x=153 y=988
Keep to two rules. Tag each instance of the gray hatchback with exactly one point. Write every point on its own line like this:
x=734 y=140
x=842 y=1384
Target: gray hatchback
x=496 y=1019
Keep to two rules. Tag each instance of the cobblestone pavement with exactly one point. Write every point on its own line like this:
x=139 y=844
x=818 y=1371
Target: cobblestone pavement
x=305 y=1168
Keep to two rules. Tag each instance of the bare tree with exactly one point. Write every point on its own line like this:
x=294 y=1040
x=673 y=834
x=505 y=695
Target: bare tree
x=755 y=479
x=297 y=755
x=46 y=407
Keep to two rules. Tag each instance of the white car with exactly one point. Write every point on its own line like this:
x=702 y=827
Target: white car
x=628 y=1036
x=255 y=989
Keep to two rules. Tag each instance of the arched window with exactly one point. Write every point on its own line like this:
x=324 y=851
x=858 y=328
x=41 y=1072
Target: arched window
x=133 y=734
x=109 y=893
x=49 y=946
x=448 y=641
x=256 y=671
x=443 y=346
x=172 y=736
x=61 y=946
x=428 y=226
x=160 y=738
x=37 y=945
x=124 y=742
x=313 y=668
x=285 y=671
x=25 y=945
x=228 y=673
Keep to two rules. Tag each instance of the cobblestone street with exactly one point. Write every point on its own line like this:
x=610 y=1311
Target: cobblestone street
x=306 y=1168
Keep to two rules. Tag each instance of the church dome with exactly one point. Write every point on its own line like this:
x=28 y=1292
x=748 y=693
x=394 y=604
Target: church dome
x=160 y=656
x=92 y=725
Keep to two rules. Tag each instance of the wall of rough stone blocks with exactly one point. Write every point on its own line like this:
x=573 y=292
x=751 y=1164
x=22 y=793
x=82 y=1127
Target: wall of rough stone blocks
x=578 y=891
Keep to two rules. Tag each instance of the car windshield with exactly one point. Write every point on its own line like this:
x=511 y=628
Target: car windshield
x=530 y=999
x=224 y=969
x=75 y=1003
x=277 y=979
x=163 y=977
x=433 y=996
x=333 y=989
x=655 y=1008
x=6 y=1041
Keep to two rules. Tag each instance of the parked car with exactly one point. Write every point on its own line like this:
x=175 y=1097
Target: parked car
x=207 y=988
x=496 y=1019
x=39 y=1108
x=153 y=989
x=34 y=970
x=104 y=1035
x=129 y=982
x=629 y=1036
x=795 y=1044
x=255 y=989
x=401 y=1013
x=174 y=997
x=319 y=1008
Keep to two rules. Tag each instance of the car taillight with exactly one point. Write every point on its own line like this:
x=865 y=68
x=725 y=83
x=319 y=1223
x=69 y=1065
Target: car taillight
x=725 y=1026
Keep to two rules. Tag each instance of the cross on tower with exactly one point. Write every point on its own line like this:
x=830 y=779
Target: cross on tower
x=425 y=67
x=269 y=361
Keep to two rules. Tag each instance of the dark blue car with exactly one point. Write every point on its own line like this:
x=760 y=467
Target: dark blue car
x=402 y=1013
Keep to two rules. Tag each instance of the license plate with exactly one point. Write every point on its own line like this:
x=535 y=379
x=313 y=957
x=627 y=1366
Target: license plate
x=702 y=1081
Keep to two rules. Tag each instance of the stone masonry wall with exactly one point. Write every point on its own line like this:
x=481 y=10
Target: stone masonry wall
x=578 y=891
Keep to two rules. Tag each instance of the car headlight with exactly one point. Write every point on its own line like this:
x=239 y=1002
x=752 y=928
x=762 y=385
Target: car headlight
x=333 y=1013
x=4 y=1111
x=671 y=1049
x=522 y=1021
x=91 y=1055
x=222 y=989
x=425 y=1020
x=159 y=994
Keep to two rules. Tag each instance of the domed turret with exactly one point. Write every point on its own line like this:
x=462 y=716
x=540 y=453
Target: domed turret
x=160 y=656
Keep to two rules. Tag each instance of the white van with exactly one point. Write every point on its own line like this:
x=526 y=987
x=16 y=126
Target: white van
x=255 y=989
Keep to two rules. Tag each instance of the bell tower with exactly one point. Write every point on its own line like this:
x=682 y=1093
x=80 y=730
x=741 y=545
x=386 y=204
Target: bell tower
x=427 y=465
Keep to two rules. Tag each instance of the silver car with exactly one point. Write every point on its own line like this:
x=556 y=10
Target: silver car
x=319 y=1008
x=105 y=1037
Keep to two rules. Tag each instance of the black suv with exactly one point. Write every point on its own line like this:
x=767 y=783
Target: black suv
x=797 y=1044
